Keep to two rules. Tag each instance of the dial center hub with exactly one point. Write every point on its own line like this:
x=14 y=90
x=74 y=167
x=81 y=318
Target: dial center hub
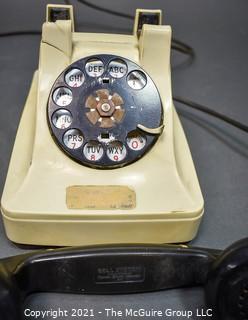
x=105 y=107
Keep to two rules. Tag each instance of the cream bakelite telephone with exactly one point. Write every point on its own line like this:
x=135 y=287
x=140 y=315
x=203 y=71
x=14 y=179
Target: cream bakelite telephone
x=100 y=155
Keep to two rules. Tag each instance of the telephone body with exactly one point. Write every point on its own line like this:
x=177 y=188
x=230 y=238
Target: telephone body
x=100 y=155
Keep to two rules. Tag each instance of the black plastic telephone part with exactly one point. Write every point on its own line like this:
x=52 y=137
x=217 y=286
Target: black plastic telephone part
x=129 y=269
x=105 y=111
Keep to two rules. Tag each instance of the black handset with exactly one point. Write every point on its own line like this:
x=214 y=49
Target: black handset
x=104 y=111
x=129 y=269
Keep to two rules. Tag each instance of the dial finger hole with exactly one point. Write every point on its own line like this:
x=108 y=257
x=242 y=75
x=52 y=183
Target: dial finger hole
x=94 y=67
x=62 y=96
x=117 y=68
x=136 y=80
x=74 y=78
x=136 y=141
x=116 y=151
x=62 y=119
x=93 y=151
x=73 y=139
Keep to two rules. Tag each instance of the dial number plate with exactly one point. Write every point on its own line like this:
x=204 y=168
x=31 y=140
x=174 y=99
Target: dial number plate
x=95 y=107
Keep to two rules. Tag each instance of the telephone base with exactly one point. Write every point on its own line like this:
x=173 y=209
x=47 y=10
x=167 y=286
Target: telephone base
x=34 y=204
x=50 y=198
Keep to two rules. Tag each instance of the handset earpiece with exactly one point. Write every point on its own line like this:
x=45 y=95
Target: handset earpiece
x=227 y=284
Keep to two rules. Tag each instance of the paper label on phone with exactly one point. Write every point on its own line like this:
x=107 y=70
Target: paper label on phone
x=105 y=197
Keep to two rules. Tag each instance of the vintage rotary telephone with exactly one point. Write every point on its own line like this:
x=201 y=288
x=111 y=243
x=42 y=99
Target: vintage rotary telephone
x=129 y=269
x=100 y=155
